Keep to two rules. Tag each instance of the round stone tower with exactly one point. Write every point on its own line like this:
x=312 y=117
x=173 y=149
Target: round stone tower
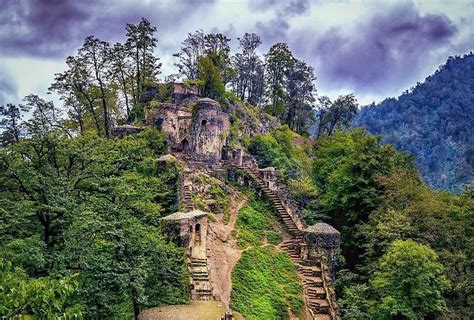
x=209 y=130
x=322 y=242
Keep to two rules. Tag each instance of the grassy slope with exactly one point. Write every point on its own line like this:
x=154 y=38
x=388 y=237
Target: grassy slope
x=265 y=281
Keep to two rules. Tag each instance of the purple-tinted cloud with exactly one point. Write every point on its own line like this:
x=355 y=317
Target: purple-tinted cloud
x=276 y=29
x=50 y=28
x=390 y=48
x=296 y=7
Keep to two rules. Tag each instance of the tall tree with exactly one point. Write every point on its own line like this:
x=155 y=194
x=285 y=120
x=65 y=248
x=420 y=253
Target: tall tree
x=217 y=48
x=335 y=115
x=210 y=79
x=96 y=55
x=121 y=68
x=409 y=283
x=248 y=80
x=45 y=116
x=78 y=93
x=300 y=90
x=193 y=48
x=140 y=46
x=278 y=62
x=346 y=171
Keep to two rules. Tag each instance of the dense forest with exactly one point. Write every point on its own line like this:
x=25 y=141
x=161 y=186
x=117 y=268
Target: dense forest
x=433 y=121
x=80 y=209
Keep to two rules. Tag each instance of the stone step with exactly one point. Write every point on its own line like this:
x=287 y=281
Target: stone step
x=313 y=283
x=198 y=263
x=316 y=295
x=203 y=291
x=312 y=273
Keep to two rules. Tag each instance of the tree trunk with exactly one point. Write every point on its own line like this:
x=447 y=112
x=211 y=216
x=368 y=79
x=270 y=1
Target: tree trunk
x=91 y=107
x=138 y=92
x=102 y=95
x=124 y=88
x=136 y=306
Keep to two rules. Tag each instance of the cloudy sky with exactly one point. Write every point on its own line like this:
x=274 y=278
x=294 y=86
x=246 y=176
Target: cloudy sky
x=374 y=49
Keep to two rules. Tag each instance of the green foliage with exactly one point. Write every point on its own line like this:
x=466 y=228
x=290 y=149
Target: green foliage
x=264 y=284
x=355 y=302
x=210 y=79
x=274 y=237
x=252 y=225
x=117 y=254
x=284 y=149
x=40 y=298
x=92 y=205
x=264 y=281
x=409 y=282
x=346 y=170
x=27 y=253
x=335 y=115
x=410 y=210
x=155 y=140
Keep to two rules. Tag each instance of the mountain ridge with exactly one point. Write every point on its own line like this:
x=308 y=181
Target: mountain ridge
x=432 y=121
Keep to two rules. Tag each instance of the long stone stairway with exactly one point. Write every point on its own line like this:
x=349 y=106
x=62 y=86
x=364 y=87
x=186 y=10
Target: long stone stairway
x=314 y=287
x=200 y=285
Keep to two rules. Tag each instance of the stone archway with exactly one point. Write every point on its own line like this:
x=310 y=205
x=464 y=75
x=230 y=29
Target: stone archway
x=184 y=145
x=197 y=231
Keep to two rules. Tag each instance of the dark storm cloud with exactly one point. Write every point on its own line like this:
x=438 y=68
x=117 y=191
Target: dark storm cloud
x=390 y=49
x=41 y=27
x=53 y=28
x=276 y=29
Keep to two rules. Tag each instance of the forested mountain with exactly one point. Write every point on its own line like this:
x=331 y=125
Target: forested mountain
x=434 y=121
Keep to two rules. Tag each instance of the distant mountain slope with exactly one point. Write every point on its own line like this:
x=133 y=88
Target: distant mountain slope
x=435 y=122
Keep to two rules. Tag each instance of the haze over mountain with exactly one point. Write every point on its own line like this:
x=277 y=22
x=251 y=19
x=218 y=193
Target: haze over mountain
x=433 y=121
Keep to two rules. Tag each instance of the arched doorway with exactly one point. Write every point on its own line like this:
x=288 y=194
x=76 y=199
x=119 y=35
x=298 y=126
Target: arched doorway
x=197 y=231
x=184 y=144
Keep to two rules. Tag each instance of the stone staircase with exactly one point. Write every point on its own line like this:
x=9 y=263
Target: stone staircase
x=200 y=285
x=314 y=287
x=278 y=204
x=199 y=277
x=187 y=200
x=315 y=292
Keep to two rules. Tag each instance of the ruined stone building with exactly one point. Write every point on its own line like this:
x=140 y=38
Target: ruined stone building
x=192 y=229
x=198 y=128
x=189 y=230
x=175 y=123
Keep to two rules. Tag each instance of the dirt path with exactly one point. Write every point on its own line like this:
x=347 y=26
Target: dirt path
x=223 y=252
